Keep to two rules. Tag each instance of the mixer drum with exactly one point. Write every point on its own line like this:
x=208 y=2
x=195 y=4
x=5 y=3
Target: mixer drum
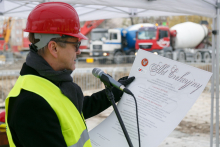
x=189 y=34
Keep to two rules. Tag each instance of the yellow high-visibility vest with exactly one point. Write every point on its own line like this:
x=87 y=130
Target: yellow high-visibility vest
x=72 y=124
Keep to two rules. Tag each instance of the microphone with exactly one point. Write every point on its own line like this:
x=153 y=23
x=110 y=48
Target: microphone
x=108 y=80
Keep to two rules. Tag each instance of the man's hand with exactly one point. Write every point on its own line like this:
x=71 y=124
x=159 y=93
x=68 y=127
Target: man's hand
x=126 y=81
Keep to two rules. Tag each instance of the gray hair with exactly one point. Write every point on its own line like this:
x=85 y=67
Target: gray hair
x=42 y=40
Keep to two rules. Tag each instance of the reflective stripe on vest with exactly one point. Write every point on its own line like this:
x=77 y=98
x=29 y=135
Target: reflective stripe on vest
x=72 y=125
x=83 y=138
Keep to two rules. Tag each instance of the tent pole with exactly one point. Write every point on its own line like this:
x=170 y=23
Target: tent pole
x=212 y=81
x=209 y=3
x=217 y=81
x=132 y=21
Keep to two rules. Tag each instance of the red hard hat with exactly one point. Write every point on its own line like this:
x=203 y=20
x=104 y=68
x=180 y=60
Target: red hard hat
x=54 y=18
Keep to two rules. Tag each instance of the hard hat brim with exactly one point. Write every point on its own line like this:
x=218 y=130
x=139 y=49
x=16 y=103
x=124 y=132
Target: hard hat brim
x=79 y=35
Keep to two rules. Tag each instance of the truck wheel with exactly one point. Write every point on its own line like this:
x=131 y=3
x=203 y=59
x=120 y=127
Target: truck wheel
x=168 y=55
x=198 y=57
x=182 y=57
x=131 y=57
x=206 y=57
x=118 y=58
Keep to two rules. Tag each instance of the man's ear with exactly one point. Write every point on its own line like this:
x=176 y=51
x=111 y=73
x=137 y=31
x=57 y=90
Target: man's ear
x=52 y=48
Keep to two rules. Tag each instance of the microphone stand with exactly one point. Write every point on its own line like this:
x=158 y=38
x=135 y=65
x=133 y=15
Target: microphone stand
x=110 y=97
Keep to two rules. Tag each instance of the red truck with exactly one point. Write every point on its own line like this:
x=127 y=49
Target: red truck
x=185 y=41
x=153 y=38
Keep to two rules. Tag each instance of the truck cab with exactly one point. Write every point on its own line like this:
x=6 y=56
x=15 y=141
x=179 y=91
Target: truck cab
x=113 y=43
x=154 y=39
x=96 y=42
x=108 y=46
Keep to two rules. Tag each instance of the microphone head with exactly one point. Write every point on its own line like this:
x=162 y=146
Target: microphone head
x=97 y=72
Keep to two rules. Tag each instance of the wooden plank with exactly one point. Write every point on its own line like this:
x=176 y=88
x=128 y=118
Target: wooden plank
x=3 y=138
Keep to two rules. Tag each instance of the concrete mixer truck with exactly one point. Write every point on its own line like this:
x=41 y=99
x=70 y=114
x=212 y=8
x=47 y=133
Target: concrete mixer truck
x=116 y=43
x=184 y=42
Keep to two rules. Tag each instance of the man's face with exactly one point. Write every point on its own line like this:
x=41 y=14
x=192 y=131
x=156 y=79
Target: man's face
x=67 y=56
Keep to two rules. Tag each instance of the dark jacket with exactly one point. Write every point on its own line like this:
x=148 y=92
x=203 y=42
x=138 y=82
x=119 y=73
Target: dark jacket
x=33 y=123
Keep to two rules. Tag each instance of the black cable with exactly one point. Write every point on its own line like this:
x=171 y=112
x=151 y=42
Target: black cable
x=130 y=93
x=139 y=137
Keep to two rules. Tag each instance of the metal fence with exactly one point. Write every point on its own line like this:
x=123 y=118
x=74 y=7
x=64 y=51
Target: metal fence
x=82 y=76
x=117 y=67
x=83 y=62
x=7 y=81
x=85 y=79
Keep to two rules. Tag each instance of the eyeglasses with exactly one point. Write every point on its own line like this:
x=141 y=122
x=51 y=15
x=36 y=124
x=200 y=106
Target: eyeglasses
x=77 y=44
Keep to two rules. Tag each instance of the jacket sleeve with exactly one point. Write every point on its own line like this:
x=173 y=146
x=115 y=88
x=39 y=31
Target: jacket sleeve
x=33 y=123
x=98 y=102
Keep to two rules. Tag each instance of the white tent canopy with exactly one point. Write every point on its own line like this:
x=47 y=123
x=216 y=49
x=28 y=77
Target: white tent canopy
x=105 y=9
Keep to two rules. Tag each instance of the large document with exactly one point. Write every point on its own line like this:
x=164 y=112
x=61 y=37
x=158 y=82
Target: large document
x=165 y=91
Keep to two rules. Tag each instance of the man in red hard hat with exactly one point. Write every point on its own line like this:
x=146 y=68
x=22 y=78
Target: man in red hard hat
x=45 y=108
